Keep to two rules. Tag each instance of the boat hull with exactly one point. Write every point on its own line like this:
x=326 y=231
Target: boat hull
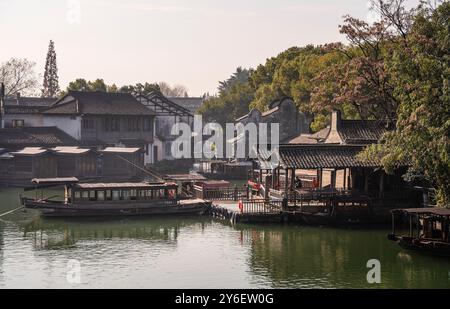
x=54 y=209
x=425 y=246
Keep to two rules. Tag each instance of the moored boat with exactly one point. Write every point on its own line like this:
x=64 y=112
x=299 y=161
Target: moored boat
x=429 y=230
x=113 y=199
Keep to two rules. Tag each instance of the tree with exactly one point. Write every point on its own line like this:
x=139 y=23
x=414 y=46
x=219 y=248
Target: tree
x=51 y=86
x=239 y=77
x=18 y=75
x=419 y=70
x=231 y=102
x=175 y=91
x=139 y=88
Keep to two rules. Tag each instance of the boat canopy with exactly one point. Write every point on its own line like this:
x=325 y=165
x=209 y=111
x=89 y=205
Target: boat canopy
x=125 y=185
x=425 y=211
x=55 y=181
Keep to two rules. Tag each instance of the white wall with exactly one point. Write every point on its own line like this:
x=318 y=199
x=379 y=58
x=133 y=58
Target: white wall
x=68 y=124
x=31 y=120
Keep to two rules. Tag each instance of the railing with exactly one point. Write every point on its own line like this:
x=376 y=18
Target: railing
x=261 y=207
x=222 y=194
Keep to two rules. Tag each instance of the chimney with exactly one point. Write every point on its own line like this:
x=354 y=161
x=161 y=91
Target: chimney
x=335 y=120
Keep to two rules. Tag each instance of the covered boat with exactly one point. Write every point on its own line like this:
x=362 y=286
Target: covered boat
x=429 y=229
x=112 y=199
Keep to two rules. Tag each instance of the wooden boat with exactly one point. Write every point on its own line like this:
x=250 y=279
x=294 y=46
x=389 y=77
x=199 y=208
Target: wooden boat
x=113 y=199
x=429 y=230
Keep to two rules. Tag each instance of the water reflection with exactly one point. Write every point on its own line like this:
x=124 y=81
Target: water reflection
x=336 y=258
x=61 y=234
x=201 y=253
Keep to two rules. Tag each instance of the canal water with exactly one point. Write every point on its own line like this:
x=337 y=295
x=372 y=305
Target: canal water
x=199 y=253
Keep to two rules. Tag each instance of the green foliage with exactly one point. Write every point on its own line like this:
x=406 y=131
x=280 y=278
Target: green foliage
x=229 y=105
x=420 y=73
x=51 y=85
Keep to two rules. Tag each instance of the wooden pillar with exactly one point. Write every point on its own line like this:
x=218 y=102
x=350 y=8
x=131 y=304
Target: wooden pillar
x=333 y=179
x=292 y=179
x=320 y=178
x=345 y=179
x=366 y=181
x=266 y=186
x=286 y=182
x=410 y=226
x=274 y=171
x=381 y=184
x=260 y=175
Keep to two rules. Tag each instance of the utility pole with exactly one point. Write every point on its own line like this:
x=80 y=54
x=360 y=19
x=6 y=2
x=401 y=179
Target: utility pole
x=2 y=106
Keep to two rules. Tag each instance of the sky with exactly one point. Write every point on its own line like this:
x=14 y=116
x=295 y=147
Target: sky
x=195 y=43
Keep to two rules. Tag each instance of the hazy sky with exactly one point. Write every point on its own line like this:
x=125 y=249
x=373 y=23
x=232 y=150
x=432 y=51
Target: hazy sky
x=195 y=43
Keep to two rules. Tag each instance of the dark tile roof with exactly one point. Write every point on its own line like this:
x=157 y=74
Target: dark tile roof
x=315 y=138
x=315 y=156
x=14 y=138
x=361 y=131
x=190 y=103
x=27 y=105
x=30 y=101
x=98 y=103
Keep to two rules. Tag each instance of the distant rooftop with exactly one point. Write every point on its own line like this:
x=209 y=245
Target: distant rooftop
x=98 y=103
x=190 y=103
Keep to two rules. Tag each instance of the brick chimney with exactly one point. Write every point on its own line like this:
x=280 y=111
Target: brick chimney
x=335 y=120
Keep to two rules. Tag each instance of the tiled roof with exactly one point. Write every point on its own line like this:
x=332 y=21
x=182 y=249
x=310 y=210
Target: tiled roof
x=98 y=103
x=191 y=103
x=316 y=156
x=35 y=136
x=315 y=138
x=27 y=105
x=30 y=102
x=361 y=131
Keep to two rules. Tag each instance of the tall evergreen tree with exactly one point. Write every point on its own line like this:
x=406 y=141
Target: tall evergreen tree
x=51 y=86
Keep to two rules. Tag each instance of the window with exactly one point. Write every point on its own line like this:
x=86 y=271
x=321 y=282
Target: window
x=134 y=124
x=18 y=123
x=87 y=124
x=125 y=194
x=111 y=124
x=92 y=195
x=168 y=149
x=115 y=195
x=85 y=195
x=100 y=195
x=77 y=195
x=148 y=124
x=108 y=195
x=133 y=194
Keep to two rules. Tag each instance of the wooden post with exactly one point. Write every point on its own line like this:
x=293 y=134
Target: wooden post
x=286 y=182
x=266 y=186
x=393 y=224
x=333 y=179
x=345 y=179
x=366 y=182
x=321 y=178
x=292 y=178
x=381 y=193
x=410 y=226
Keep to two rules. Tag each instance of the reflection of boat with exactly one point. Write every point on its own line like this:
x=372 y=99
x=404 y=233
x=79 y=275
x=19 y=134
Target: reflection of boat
x=113 y=199
x=431 y=232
